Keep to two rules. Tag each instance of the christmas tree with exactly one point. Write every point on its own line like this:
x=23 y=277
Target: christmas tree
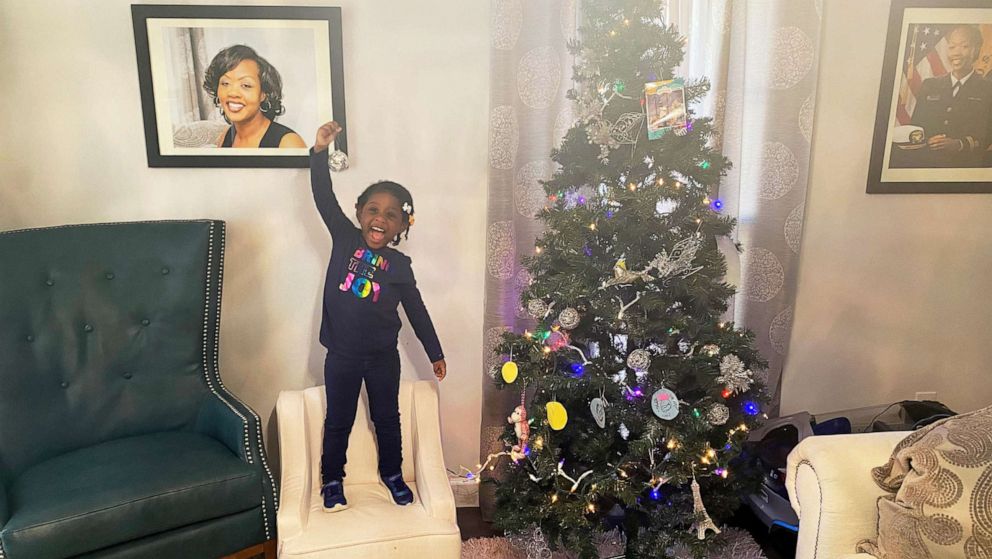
x=635 y=397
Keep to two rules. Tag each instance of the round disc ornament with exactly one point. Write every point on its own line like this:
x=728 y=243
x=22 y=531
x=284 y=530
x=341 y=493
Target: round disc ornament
x=665 y=404
x=557 y=416
x=598 y=408
x=509 y=372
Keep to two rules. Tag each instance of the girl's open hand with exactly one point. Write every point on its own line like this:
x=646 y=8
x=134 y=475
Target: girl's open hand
x=440 y=370
x=326 y=135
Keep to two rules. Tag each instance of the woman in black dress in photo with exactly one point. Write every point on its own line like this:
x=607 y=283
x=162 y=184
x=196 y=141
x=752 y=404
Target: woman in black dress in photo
x=248 y=91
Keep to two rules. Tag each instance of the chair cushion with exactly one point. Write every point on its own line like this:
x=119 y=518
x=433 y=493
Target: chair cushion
x=373 y=526
x=125 y=489
x=939 y=484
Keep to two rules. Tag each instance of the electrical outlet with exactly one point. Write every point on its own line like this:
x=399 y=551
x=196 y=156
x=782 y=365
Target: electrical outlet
x=926 y=395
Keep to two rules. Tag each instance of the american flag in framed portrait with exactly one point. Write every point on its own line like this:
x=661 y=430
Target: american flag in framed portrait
x=926 y=57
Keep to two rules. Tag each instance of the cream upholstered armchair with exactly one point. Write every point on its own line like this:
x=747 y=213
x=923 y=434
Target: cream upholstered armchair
x=372 y=526
x=831 y=488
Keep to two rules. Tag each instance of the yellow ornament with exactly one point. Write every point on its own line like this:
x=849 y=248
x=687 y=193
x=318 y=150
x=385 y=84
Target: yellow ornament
x=509 y=372
x=557 y=416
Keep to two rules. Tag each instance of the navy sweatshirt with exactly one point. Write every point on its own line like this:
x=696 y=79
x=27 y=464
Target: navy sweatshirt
x=364 y=286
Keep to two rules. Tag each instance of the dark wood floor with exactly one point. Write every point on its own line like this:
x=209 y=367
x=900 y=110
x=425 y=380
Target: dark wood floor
x=472 y=525
x=777 y=544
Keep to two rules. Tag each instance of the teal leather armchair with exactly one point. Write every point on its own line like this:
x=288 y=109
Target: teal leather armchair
x=117 y=436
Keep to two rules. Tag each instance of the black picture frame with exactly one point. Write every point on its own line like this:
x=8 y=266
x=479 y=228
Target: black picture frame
x=898 y=167
x=321 y=85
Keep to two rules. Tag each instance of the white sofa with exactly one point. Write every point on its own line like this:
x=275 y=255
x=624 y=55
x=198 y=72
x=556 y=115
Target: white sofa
x=831 y=489
x=372 y=526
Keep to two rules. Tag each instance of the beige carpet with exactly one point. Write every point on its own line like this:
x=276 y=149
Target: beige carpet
x=739 y=545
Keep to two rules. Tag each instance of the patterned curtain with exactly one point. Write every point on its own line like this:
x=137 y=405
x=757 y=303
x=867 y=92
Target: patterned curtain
x=188 y=63
x=761 y=58
x=530 y=73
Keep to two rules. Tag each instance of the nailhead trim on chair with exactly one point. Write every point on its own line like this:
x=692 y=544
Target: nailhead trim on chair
x=819 y=520
x=207 y=369
x=101 y=224
x=258 y=420
x=206 y=328
x=220 y=382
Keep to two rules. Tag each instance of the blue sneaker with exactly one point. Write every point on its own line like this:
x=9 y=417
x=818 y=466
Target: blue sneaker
x=333 y=494
x=398 y=489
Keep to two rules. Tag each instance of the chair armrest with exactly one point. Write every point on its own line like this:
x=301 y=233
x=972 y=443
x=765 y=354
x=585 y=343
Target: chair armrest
x=831 y=489
x=227 y=419
x=221 y=423
x=294 y=456
x=431 y=477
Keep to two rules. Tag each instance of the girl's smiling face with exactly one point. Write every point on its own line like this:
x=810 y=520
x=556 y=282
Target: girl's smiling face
x=240 y=92
x=381 y=219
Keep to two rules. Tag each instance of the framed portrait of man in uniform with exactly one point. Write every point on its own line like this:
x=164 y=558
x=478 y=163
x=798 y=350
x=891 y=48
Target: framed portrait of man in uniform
x=933 y=125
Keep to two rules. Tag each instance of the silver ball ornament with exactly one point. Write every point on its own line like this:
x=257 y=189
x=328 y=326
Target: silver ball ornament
x=569 y=318
x=718 y=414
x=639 y=360
x=337 y=161
x=537 y=308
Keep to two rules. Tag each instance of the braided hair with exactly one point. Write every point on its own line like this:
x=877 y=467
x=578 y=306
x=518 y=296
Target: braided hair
x=399 y=192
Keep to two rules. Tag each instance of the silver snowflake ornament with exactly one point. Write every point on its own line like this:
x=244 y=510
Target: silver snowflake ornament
x=734 y=375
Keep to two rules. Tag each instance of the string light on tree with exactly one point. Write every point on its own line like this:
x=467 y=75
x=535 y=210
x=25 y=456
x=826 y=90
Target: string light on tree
x=751 y=407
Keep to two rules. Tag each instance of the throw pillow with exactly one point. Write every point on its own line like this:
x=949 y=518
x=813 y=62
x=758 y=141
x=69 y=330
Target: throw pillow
x=939 y=485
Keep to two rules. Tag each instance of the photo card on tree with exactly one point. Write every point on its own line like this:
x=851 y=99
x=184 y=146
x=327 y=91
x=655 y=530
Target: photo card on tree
x=665 y=106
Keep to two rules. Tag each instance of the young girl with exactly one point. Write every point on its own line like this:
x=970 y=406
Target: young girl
x=366 y=280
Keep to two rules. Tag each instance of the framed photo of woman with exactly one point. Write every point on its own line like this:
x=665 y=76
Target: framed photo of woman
x=237 y=86
x=933 y=125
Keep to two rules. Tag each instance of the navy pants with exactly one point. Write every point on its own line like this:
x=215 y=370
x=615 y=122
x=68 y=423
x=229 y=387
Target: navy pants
x=343 y=377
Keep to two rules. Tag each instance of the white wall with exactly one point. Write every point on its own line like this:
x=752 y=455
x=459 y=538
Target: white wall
x=72 y=151
x=893 y=289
